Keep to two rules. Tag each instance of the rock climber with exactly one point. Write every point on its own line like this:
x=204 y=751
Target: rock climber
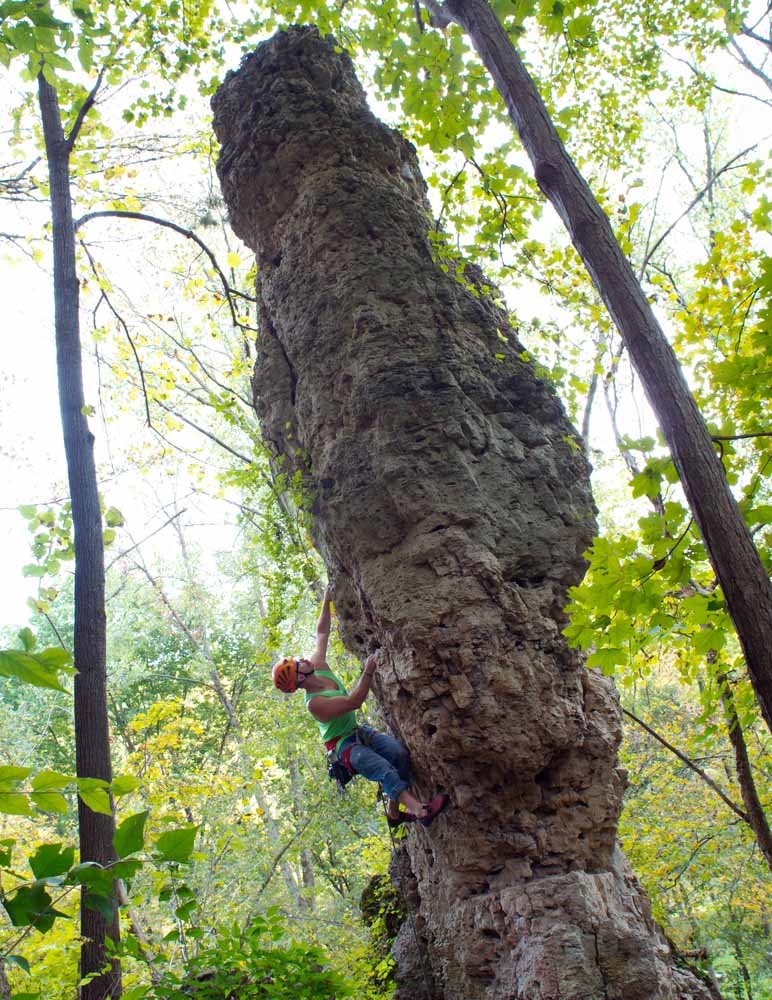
x=376 y=756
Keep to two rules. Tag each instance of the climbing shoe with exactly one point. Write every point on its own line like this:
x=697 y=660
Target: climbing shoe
x=404 y=817
x=433 y=809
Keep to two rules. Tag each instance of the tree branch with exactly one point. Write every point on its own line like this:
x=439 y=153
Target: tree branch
x=741 y=437
x=206 y=433
x=104 y=297
x=188 y=234
x=695 y=200
x=690 y=764
x=743 y=59
x=750 y=33
x=84 y=110
x=189 y=350
x=280 y=855
x=142 y=541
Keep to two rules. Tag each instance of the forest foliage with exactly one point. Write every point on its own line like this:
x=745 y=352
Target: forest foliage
x=235 y=855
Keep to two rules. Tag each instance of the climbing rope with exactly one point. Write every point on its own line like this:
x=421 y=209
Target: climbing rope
x=408 y=910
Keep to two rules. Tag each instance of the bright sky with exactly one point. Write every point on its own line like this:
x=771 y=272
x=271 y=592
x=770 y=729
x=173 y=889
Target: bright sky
x=32 y=466
x=31 y=453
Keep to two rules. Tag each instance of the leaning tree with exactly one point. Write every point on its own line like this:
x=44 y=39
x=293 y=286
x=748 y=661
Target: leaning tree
x=451 y=504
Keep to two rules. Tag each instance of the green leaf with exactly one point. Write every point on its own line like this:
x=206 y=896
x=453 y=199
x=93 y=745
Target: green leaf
x=43 y=18
x=126 y=869
x=93 y=792
x=10 y=773
x=580 y=27
x=50 y=860
x=85 y=52
x=646 y=483
x=130 y=835
x=124 y=784
x=135 y=993
x=114 y=518
x=106 y=905
x=98 y=801
x=20 y=961
x=31 y=668
x=14 y=804
x=607 y=659
x=50 y=801
x=90 y=873
x=176 y=845
x=31 y=906
x=47 y=780
x=6 y=851
x=21 y=38
x=56 y=658
x=28 y=639
x=57 y=61
x=32 y=569
x=708 y=640
x=185 y=909
x=759 y=515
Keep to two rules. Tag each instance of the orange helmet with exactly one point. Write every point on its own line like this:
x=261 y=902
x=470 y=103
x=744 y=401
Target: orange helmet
x=285 y=675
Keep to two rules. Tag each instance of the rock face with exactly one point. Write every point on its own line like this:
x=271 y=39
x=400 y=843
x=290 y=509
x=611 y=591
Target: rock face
x=451 y=506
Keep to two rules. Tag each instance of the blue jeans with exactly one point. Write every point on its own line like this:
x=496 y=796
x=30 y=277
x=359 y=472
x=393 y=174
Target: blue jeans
x=385 y=760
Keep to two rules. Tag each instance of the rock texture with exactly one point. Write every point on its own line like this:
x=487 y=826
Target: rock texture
x=452 y=507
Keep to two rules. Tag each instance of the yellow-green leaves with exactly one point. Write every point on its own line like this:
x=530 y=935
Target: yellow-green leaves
x=46 y=791
x=12 y=802
x=38 y=669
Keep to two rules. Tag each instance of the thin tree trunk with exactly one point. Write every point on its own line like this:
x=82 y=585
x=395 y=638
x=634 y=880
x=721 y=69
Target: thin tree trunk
x=144 y=945
x=757 y=818
x=742 y=576
x=306 y=858
x=92 y=739
x=746 y=977
x=452 y=507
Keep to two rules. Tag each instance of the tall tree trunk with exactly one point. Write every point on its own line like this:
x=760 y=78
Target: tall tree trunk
x=451 y=505
x=743 y=578
x=92 y=740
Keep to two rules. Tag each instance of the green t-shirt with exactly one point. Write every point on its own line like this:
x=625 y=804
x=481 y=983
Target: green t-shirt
x=342 y=725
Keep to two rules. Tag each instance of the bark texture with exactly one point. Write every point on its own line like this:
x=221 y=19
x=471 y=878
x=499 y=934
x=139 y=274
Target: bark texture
x=451 y=505
x=92 y=736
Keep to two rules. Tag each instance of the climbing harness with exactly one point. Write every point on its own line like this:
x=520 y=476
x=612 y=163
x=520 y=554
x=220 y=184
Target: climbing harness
x=339 y=767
